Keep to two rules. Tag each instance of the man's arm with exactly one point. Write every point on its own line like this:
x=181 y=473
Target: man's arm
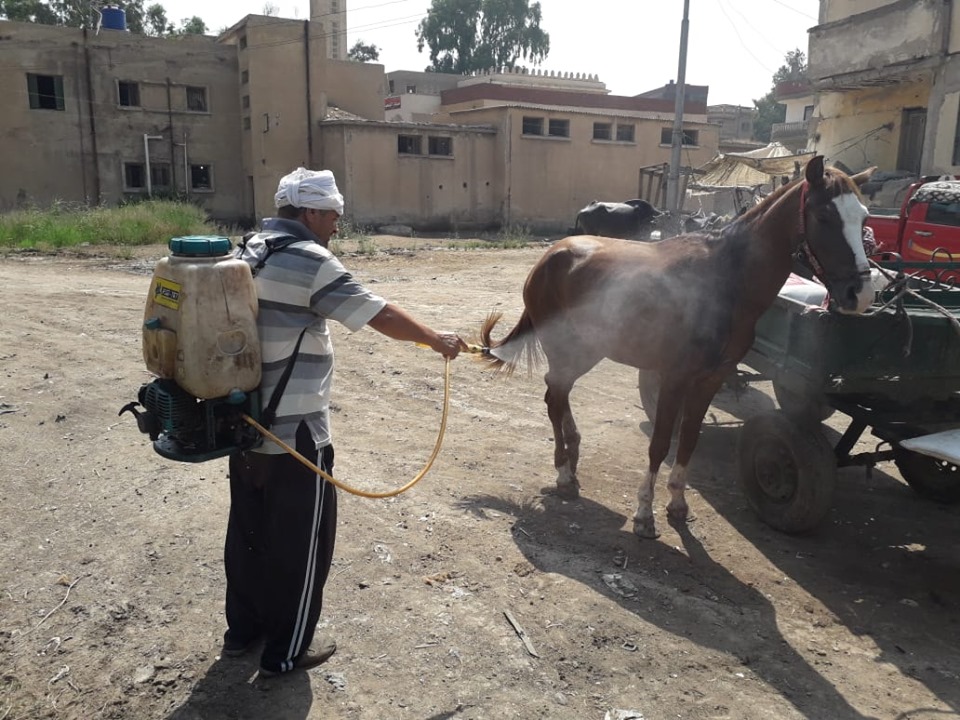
x=397 y=323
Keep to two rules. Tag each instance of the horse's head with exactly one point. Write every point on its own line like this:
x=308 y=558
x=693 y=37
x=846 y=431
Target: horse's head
x=833 y=217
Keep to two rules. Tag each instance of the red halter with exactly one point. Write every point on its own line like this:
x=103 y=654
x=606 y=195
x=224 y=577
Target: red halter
x=804 y=247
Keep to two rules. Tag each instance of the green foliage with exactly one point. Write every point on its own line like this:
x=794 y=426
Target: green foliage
x=473 y=35
x=360 y=52
x=85 y=14
x=64 y=225
x=769 y=111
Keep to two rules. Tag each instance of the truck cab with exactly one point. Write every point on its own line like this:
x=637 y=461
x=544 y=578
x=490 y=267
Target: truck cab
x=928 y=226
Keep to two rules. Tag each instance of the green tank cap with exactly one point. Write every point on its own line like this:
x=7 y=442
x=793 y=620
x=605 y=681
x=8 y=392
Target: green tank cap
x=199 y=246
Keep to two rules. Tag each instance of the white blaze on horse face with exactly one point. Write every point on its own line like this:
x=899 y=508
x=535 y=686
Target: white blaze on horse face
x=852 y=214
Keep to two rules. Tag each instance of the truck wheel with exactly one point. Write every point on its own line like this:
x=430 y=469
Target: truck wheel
x=930 y=477
x=802 y=408
x=787 y=472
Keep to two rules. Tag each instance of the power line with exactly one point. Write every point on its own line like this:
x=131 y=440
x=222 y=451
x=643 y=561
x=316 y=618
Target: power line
x=798 y=12
x=740 y=38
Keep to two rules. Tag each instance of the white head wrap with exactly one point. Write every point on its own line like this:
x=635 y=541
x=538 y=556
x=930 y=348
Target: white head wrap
x=316 y=189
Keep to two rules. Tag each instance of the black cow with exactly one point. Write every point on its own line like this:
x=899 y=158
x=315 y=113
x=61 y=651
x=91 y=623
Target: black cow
x=630 y=220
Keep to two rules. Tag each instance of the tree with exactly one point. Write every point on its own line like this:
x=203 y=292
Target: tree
x=270 y=9
x=86 y=14
x=472 y=35
x=156 y=21
x=364 y=53
x=769 y=111
x=192 y=26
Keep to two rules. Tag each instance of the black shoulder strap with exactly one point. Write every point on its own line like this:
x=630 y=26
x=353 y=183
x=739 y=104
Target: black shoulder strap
x=269 y=413
x=274 y=242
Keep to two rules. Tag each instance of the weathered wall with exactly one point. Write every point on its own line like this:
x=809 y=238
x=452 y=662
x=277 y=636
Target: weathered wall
x=902 y=32
x=862 y=128
x=49 y=154
x=428 y=192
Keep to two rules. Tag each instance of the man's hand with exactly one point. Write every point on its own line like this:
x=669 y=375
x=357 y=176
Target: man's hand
x=448 y=344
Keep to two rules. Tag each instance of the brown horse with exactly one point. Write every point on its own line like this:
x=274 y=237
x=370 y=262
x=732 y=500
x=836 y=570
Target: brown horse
x=685 y=307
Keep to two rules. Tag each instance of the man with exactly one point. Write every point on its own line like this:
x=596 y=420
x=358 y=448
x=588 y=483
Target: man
x=282 y=525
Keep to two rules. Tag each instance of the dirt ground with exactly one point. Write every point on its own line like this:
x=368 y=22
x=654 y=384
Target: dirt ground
x=111 y=580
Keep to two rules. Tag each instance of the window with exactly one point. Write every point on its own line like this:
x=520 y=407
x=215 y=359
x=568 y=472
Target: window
x=128 y=93
x=160 y=175
x=134 y=176
x=440 y=145
x=244 y=77
x=943 y=213
x=243 y=42
x=201 y=177
x=245 y=102
x=690 y=137
x=46 y=91
x=602 y=131
x=626 y=133
x=411 y=89
x=409 y=144
x=197 y=99
x=391 y=87
x=246 y=123
x=559 y=128
x=807 y=112
x=745 y=126
x=532 y=125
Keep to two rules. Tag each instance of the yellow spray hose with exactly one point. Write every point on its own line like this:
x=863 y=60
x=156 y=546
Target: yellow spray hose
x=391 y=493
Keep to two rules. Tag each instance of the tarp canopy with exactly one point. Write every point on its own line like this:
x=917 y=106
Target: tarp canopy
x=752 y=168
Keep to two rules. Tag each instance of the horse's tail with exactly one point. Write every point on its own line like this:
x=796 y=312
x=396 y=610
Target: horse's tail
x=520 y=344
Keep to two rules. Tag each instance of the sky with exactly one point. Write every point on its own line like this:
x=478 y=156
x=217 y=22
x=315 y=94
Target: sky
x=734 y=46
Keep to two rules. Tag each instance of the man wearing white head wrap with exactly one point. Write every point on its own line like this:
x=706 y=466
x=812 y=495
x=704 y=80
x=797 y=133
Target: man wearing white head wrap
x=282 y=526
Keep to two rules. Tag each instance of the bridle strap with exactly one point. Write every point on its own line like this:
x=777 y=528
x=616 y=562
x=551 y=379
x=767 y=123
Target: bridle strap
x=804 y=246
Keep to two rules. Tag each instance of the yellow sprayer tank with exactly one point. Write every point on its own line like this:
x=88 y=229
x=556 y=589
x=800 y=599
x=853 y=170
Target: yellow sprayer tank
x=200 y=322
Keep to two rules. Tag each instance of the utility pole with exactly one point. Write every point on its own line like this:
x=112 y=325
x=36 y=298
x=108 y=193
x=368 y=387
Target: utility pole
x=674 y=201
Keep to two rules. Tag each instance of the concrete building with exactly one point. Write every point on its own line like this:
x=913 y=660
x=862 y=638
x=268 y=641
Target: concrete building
x=329 y=19
x=799 y=122
x=736 y=127
x=100 y=117
x=887 y=77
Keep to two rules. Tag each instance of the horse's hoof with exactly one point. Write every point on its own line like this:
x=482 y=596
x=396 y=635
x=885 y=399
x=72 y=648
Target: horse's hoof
x=679 y=514
x=645 y=529
x=569 y=491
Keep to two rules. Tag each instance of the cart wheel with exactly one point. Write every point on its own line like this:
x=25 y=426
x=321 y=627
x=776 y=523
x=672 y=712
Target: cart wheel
x=787 y=472
x=931 y=477
x=802 y=408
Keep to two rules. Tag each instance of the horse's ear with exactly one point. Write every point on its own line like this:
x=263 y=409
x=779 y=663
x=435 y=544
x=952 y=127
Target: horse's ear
x=861 y=177
x=814 y=172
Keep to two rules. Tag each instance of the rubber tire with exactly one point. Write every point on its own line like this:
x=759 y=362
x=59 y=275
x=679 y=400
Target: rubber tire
x=787 y=471
x=802 y=408
x=930 y=477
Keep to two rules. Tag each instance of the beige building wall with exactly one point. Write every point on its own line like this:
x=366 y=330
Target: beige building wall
x=547 y=180
x=79 y=153
x=330 y=18
x=286 y=85
x=427 y=190
x=862 y=128
x=832 y=10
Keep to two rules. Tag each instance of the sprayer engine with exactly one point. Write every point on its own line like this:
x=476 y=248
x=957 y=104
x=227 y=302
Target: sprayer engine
x=188 y=429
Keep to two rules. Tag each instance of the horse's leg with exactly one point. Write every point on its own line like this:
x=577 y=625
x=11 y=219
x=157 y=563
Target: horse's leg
x=669 y=401
x=695 y=407
x=563 y=373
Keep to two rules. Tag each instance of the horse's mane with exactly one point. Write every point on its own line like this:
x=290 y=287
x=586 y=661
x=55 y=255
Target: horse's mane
x=769 y=200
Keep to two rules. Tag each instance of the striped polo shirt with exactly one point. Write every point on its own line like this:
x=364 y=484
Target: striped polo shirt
x=302 y=286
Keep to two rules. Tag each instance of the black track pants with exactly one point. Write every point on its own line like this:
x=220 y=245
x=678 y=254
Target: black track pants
x=280 y=538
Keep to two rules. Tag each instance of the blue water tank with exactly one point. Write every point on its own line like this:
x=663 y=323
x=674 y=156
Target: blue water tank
x=113 y=18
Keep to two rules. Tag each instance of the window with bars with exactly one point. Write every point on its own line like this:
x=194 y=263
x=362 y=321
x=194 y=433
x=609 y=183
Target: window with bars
x=440 y=145
x=690 y=137
x=532 y=125
x=201 y=178
x=196 y=99
x=559 y=128
x=45 y=91
x=626 y=133
x=602 y=131
x=134 y=176
x=409 y=144
x=128 y=93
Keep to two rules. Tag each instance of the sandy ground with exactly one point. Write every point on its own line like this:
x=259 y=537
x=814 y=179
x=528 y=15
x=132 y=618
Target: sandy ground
x=111 y=580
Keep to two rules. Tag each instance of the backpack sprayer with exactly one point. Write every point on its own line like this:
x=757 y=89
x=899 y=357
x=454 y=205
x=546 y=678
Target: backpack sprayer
x=200 y=340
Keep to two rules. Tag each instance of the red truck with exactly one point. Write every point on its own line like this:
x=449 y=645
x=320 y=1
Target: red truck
x=928 y=226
